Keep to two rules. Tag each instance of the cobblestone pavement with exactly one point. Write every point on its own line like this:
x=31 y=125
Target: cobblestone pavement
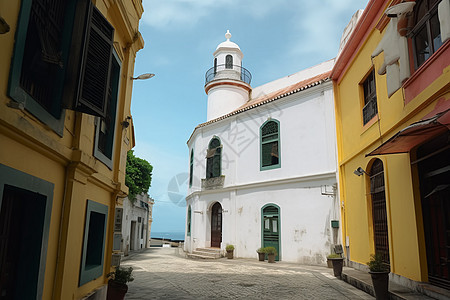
x=165 y=273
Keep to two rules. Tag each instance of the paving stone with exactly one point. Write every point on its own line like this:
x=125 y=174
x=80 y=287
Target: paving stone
x=166 y=273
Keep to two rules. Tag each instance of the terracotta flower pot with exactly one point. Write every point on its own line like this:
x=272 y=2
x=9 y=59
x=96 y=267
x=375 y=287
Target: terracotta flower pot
x=380 y=282
x=261 y=256
x=116 y=291
x=271 y=258
x=230 y=254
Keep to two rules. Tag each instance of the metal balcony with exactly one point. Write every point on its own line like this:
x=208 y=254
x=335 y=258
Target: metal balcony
x=233 y=72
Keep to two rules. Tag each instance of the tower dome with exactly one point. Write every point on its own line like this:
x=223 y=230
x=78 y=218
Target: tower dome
x=227 y=82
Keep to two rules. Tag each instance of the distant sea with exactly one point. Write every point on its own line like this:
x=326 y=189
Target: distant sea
x=168 y=235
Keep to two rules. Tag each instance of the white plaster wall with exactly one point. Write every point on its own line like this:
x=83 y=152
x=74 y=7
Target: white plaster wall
x=221 y=54
x=131 y=213
x=225 y=98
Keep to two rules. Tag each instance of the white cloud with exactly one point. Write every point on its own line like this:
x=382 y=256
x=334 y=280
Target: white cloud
x=182 y=13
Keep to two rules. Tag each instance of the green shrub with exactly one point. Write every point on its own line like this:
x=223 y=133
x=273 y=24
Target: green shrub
x=229 y=248
x=260 y=250
x=270 y=250
x=376 y=263
x=334 y=255
x=121 y=275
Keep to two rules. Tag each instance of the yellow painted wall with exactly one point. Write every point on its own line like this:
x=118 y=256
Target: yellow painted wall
x=29 y=146
x=355 y=140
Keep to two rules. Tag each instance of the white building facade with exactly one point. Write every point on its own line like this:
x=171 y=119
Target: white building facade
x=263 y=166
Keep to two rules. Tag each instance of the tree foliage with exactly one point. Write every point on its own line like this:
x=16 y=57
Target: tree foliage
x=138 y=175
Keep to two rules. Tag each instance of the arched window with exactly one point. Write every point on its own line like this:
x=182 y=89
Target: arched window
x=426 y=34
x=213 y=159
x=379 y=214
x=188 y=224
x=270 y=145
x=229 y=62
x=191 y=168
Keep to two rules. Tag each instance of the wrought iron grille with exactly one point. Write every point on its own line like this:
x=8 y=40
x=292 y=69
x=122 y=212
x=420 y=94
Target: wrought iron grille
x=223 y=72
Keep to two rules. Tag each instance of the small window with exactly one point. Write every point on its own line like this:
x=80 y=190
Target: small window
x=229 y=62
x=191 y=168
x=94 y=242
x=213 y=159
x=105 y=127
x=215 y=66
x=270 y=145
x=188 y=225
x=426 y=33
x=370 y=108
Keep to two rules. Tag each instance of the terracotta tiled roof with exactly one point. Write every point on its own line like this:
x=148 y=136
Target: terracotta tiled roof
x=292 y=89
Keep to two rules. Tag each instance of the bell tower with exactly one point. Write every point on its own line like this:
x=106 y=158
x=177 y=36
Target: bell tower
x=227 y=83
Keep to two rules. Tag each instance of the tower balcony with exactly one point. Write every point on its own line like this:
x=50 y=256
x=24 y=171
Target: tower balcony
x=228 y=72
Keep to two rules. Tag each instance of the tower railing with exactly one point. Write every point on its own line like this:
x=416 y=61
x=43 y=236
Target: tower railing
x=228 y=72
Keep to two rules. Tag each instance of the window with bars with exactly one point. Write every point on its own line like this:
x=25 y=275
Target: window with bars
x=270 y=145
x=214 y=159
x=370 y=108
x=379 y=213
x=426 y=33
x=47 y=73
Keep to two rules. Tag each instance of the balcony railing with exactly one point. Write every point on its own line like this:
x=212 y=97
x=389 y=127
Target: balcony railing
x=370 y=110
x=228 y=72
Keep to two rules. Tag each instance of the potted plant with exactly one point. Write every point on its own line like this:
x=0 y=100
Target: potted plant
x=229 y=249
x=271 y=253
x=379 y=271
x=117 y=284
x=261 y=254
x=337 y=262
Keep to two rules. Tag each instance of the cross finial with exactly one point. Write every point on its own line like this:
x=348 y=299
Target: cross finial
x=228 y=35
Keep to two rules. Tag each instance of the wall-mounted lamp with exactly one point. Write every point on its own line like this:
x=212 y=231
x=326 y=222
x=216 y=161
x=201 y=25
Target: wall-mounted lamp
x=360 y=171
x=126 y=123
x=143 y=76
x=198 y=212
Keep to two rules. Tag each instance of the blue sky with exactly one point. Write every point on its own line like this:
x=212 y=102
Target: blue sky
x=277 y=37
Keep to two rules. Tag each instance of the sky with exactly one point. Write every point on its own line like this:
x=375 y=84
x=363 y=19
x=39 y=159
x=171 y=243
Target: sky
x=278 y=38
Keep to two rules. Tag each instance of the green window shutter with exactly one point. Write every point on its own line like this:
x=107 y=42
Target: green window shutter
x=270 y=144
x=191 y=168
x=189 y=221
x=90 y=61
x=214 y=159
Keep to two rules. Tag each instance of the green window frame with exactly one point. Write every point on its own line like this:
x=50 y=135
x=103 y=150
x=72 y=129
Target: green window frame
x=93 y=253
x=52 y=58
x=188 y=223
x=214 y=158
x=191 y=168
x=105 y=128
x=370 y=109
x=270 y=149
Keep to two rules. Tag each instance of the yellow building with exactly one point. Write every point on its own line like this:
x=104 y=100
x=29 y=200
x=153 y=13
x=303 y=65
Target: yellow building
x=394 y=71
x=65 y=129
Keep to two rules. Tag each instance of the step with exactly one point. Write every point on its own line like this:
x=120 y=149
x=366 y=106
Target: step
x=213 y=250
x=199 y=256
x=363 y=281
x=207 y=253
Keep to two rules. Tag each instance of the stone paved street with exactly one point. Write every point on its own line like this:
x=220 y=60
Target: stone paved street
x=165 y=273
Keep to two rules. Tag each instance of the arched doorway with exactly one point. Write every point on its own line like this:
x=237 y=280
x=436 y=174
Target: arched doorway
x=216 y=225
x=379 y=214
x=271 y=227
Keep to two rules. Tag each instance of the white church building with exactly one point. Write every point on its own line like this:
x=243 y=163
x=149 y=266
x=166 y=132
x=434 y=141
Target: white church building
x=263 y=165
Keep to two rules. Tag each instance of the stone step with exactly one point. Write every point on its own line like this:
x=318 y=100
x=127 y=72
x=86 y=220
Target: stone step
x=199 y=256
x=213 y=250
x=207 y=253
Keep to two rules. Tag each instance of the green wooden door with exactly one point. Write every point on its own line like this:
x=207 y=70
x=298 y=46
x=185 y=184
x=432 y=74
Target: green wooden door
x=271 y=228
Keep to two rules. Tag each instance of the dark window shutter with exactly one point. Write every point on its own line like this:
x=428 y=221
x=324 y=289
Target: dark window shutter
x=90 y=64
